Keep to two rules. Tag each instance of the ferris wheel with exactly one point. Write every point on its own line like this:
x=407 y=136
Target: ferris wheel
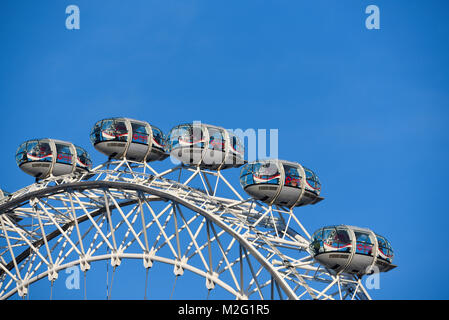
x=189 y=218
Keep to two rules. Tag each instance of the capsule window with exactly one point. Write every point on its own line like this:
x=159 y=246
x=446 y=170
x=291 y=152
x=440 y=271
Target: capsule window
x=95 y=135
x=82 y=159
x=196 y=136
x=107 y=130
x=113 y=130
x=236 y=144
x=342 y=240
x=312 y=180
x=158 y=138
x=266 y=172
x=216 y=139
x=385 y=250
x=64 y=154
x=186 y=136
x=364 y=244
x=38 y=151
x=140 y=133
x=121 y=132
x=292 y=177
x=246 y=176
x=21 y=154
x=316 y=244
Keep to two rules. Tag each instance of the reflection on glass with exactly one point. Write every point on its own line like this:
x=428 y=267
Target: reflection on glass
x=83 y=159
x=312 y=180
x=236 y=144
x=186 y=136
x=64 y=154
x=266 y=172
x=364 y=244
x=385 y=250
x=331 y=239
x=139 y=133
x=216 y=139
x=246 y=175
x=292 y=177
x=34 y=151
x=158 y=138
x=109 y=130
x=260 y=173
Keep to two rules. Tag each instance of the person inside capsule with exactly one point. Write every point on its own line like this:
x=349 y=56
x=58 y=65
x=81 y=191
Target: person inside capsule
x=109 y=129
x=266 y=173
x=186 y=136
x=292 y=177
x=118 y=130
x=331 y=239
x=39 y=151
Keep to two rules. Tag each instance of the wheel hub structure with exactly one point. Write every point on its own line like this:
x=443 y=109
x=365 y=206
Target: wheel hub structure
x=189 y=218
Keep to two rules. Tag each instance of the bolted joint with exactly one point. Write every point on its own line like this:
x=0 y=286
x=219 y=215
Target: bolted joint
x=84 y=265
x=52 y=274
x=147 y=259
x=22 y=289
x=115 y=260
x=178 y=268
x=210 y=280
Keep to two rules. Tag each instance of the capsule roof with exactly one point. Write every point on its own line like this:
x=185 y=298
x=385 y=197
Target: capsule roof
x=134 y=140
x=205 y=145
x=351 y=249
x=42 y=158
x=280 y=182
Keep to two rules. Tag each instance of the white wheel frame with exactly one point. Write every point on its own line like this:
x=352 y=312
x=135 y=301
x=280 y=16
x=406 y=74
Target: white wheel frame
x=71 y=220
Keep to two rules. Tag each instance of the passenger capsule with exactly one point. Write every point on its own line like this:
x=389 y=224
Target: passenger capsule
x=351 y=250
x=206 y=146
x=48 y=157
x=134 y=140
x=280 y=182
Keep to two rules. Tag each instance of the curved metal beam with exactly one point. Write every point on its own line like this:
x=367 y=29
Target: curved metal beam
x=163 y=195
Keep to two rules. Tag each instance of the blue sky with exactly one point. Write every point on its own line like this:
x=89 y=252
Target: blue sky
x=368 y=110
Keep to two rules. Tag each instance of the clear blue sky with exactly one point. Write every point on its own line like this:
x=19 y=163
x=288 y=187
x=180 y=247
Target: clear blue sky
x=368 y=110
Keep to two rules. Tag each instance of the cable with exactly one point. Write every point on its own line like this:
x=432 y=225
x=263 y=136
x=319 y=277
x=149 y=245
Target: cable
x=107 y=264
x=85 y=285
x=146 y=283
x=173 y=290
x=51 y=290
x=112 y=280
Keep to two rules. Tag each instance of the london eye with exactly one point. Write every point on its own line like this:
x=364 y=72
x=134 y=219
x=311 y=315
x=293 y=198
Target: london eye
x=187 y=217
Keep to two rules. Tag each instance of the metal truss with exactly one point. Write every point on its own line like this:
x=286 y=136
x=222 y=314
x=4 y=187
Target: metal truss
x=128 y=210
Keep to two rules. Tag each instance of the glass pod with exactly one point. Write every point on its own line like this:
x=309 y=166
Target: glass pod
x=280 y=182
x=206 y=146
x=134 y=140
x=42 y=158
x=351 y=250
